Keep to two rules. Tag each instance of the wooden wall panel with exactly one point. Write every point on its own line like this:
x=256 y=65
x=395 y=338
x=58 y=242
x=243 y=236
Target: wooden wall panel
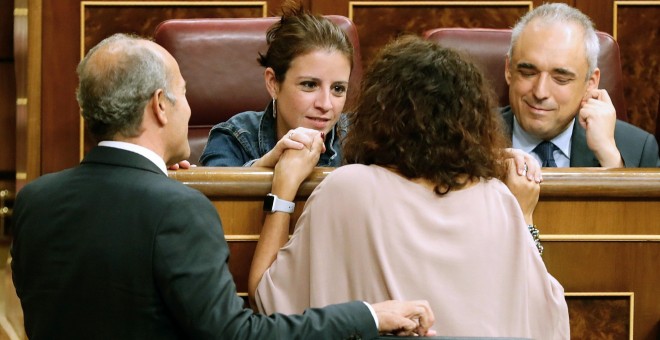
x=609 y=313
x=7 y=95
x=59 y=111
x=142 y=20
x=588 y=266
x=7 y=118
x=600 y=12
x=637 y=30
x=64 y=25
x=6 y=30
x=379 y=22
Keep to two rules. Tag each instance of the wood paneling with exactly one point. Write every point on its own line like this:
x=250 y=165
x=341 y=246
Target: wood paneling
x=6 y=31
x=587 y=266
x=7 y=118
x=597 y=238
x=101 y=21
x=63 y=27
x=7 y=94
x=637 y=30
x=379 y=22
x=143 y=20
x=59 y=111
x=600 y=12
x=28 y=98
x=610 y=314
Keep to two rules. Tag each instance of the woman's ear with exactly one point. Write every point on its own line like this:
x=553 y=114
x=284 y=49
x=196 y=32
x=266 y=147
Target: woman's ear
x=272 y=85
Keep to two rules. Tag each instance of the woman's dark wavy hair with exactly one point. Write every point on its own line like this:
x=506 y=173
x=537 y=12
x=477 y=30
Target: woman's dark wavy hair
x=299 y=32
x=428 y=112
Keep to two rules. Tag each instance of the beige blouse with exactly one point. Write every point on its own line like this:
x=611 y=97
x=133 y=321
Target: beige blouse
x=369 y=234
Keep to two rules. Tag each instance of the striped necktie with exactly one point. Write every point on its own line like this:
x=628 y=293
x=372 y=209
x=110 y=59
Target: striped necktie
x=544 y=150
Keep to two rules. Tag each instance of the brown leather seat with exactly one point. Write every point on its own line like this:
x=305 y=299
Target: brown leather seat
x=488 y=48
x=218 y=60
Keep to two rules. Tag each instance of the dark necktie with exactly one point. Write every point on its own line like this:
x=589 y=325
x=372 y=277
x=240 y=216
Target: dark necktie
x=544 y=150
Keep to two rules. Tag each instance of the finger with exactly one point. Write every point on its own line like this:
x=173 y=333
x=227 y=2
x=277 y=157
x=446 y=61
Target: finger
x=430 y=333
x=303 y=138
x=529 y=167
x=406 y=327
x=534 y=171
x=520 y=164
x=307 y=132
x=583 y=115
x=595 y=94
x=292 y=140
x=319 y=142
x=426 y=317
x=291 y=144
x=518 y=159
x=510 y=167
x=604 y=96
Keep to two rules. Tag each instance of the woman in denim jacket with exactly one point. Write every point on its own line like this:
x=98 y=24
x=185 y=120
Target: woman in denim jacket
x=308 y=64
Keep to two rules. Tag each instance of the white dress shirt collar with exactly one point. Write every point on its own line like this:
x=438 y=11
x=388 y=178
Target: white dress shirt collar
x=150 y=155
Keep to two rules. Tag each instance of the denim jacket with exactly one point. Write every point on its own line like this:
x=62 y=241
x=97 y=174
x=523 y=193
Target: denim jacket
x=249 y=135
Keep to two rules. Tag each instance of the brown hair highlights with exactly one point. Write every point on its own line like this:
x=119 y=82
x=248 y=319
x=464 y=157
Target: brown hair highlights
x=297 y=33
x=426 y=111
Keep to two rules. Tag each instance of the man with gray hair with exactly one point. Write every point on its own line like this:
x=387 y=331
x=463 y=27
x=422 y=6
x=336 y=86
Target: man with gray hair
x=557 y=113
x=114 y=249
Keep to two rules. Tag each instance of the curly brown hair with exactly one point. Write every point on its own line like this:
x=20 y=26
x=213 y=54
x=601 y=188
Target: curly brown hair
x=427 y=111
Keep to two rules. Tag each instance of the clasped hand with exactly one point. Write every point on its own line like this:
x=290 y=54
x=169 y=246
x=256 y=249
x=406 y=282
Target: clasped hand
x=297 y=139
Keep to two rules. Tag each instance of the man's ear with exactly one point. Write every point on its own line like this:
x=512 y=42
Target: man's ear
x=158 y=106
x=507 y=70
x=594 y=80
x=272 y=85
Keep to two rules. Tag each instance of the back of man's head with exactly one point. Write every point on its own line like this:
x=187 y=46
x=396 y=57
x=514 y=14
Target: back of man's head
x=117 y=78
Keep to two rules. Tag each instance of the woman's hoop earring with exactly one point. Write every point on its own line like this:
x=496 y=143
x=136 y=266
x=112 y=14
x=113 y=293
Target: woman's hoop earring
x=274 y=108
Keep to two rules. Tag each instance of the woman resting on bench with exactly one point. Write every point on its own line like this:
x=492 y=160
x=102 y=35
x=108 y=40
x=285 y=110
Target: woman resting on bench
x=308 y=64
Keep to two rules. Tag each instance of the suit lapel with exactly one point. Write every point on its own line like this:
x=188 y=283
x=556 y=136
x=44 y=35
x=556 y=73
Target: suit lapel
x=581 y=155
x=507 y=116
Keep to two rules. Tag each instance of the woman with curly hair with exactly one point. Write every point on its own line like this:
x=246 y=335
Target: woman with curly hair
x=420 y=211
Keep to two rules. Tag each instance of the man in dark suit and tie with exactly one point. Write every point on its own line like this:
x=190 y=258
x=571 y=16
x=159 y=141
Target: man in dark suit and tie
x=557 y=113
x=114 y=249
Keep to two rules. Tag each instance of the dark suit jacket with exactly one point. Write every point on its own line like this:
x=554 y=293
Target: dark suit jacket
x=638 y=148
x=113 y=249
